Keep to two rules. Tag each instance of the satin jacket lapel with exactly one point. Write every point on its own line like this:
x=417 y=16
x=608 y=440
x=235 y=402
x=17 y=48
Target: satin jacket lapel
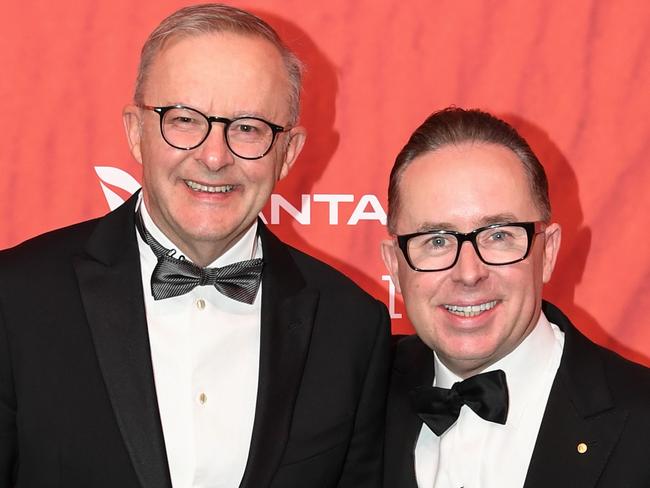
x=288 y=310
x=580 y=410
x=111 y=289
x=412 y=367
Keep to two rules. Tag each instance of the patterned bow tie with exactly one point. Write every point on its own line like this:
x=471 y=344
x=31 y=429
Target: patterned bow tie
x=486 y=394
x=176 y=276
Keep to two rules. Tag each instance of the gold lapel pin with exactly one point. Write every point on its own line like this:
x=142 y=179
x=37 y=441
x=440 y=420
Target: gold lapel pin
x=582 y=448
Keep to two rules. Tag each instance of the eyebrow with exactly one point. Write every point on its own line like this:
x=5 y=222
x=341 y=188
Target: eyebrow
x=243 y=113
x=235 y=115
x=502 y=218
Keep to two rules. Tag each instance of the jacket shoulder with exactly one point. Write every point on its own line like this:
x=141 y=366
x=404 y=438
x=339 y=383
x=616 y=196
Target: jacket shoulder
x=326 y=278
x=411 y=356
x=60 y=245
x=628 y=380
x=51 y=245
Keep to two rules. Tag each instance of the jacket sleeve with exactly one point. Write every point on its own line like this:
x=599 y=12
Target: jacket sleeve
x=8 y=440
x=363 y=465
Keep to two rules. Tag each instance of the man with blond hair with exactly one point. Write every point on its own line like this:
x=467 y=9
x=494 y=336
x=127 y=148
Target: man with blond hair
x=176 y=341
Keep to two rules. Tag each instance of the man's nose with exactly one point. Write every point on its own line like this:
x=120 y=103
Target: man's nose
x=214 y=152
x=469 y=269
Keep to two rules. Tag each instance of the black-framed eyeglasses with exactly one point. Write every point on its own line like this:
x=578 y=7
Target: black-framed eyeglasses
x=496 y=245
x=187 y=128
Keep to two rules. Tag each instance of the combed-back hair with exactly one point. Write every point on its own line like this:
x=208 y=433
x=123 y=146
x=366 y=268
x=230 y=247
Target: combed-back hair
x=455 y=126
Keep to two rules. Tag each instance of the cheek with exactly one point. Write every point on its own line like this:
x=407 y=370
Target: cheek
x=260 y=173
x=420 y=294
x=522 y=288
x=419 y=290
x=160 y=161
x=532 y=278
x=151 y=140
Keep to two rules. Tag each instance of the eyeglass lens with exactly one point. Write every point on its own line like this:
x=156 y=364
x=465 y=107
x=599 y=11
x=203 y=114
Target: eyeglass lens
x=186 y=128
x=496 y=245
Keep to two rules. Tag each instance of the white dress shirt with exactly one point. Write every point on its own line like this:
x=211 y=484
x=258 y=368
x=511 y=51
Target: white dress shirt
x=205 y=352
x=475 y=453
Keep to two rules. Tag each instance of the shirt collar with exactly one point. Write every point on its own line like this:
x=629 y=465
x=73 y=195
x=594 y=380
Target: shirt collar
x=525 y=366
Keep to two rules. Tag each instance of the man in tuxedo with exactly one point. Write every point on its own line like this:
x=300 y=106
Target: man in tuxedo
x=141 y=350
x=498 y=388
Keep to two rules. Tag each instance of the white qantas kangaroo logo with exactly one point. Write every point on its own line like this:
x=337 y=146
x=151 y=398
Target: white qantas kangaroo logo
x=118 y=178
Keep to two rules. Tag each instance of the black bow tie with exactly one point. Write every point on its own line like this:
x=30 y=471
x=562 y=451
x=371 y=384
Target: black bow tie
x=485 y=393
x=176 y=276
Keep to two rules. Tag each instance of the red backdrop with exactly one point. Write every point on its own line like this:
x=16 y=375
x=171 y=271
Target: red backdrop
x=572 y=76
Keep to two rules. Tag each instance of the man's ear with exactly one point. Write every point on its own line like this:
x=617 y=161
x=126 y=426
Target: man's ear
x=132 y=118
x=389 y=252
x=553 y=238
x=297 y=137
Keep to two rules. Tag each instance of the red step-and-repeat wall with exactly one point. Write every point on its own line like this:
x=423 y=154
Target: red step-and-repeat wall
x=573 y=76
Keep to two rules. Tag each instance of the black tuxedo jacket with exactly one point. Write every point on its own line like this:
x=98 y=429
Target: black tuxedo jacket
x=78 y=406
x=597 y=398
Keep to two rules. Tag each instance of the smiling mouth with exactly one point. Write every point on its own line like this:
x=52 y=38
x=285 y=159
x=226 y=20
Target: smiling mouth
x=193 y=185
x=470 y=310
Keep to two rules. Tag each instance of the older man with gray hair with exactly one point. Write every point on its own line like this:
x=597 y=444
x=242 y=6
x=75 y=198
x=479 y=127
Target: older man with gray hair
x=176 y=341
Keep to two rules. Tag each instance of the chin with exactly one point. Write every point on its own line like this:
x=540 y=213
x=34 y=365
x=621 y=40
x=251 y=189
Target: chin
x=472 y=352
x=209 y=234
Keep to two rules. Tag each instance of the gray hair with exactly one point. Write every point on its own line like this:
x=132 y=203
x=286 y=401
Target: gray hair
x=209 y=18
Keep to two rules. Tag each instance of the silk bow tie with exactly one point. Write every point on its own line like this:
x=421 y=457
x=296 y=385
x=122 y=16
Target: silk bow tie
x=176 y=276
x=486 y=394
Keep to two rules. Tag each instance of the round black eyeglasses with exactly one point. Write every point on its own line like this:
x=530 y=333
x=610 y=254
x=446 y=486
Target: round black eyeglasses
x=495 y=245
x=186 y=128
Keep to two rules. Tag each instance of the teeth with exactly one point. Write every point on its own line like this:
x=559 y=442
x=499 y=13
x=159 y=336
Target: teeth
x=210 y=189
x=470 y=310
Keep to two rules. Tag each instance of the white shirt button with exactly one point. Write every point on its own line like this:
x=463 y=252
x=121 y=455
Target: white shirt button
x=203 y=398
x=200 y=304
